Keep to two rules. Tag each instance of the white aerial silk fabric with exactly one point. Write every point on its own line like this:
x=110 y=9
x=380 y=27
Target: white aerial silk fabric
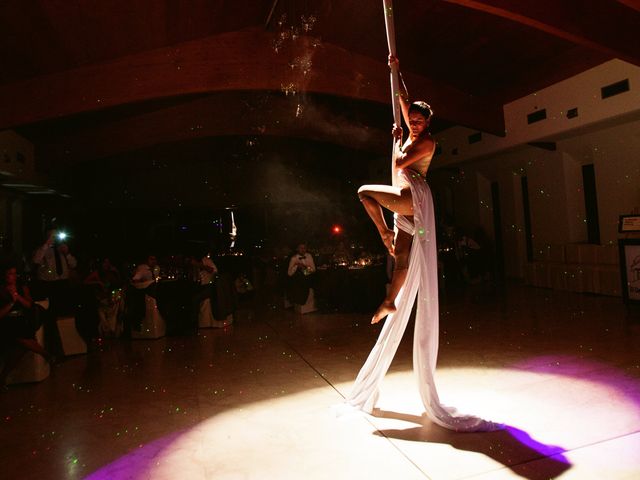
x=422 y=281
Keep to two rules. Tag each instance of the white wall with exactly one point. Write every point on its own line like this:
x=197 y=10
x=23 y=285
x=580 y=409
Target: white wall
x=485 y=212
x=606 y=133
x=615 y=154
x=582 y=91
x=556 y=196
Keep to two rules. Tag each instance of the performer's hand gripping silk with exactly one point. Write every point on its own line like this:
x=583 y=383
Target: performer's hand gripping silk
x=414 y=157
x=415 y=274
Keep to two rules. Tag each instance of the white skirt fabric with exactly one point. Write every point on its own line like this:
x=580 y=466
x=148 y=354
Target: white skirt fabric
x=422 y=281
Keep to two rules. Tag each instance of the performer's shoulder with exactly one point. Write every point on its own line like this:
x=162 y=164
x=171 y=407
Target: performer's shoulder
x=426 y=142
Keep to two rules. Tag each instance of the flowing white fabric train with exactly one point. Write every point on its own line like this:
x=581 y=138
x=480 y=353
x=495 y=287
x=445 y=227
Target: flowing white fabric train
x=422 y=280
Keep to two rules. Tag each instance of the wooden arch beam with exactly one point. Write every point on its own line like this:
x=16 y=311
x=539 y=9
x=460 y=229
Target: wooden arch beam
x=255 y=114
x=605 y=26
x=235 y=61
x=635 y=4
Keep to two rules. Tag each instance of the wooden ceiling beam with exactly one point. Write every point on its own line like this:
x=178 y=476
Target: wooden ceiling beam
x=255 y=115
x=635 y=4
x=234 y=61
x=605 y=26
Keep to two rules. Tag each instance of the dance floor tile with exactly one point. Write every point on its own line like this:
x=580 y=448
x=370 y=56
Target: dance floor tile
x=445 y=454
x=294 y=436
x=255 y=400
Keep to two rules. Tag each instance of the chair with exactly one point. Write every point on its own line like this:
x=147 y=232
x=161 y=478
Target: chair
x=219 y=312
x=206 y=318
x=309 y=306
x=153 y=325
x=32 y=367
x=72 y=342
x=226 y=297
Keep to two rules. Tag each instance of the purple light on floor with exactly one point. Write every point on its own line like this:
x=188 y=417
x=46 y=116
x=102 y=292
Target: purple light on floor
x=587 y=370
x=543 y=449
x=138 y=462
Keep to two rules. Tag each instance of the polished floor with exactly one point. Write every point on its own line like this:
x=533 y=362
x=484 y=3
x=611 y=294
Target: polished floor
x=256 y=400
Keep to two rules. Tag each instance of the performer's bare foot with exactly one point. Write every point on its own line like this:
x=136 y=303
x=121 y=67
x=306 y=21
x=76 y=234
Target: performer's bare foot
x=385 y=309
x=387 y=238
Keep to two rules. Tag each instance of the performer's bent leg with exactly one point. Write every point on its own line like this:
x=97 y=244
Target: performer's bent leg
x=374 y=197
x=402 y=249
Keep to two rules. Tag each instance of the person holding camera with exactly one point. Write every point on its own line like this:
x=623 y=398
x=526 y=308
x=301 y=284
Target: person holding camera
x=301 y=270
x=55 y=264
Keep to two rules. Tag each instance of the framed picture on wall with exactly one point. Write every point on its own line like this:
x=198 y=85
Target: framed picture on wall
x=630 y=269
x=629 y=223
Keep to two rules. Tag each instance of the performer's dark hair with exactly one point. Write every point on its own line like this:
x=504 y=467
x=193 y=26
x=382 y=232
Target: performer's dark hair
x=423 y=108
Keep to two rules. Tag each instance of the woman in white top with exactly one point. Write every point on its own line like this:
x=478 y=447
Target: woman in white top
x=415 y=157
x=415 y=276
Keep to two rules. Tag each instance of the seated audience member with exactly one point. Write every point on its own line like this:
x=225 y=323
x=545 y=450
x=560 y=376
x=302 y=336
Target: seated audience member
x=145 y=273
x=144 y=283
x=300 y=271
x=107 y=284
x=19 y=322
x=205 y=271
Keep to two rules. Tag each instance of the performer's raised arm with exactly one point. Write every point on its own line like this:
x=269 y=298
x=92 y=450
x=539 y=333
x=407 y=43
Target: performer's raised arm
x=417 y=116
x=415 y=156
x=403 y=93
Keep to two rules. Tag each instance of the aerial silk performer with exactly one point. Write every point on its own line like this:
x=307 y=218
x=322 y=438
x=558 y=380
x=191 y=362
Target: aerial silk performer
x=412 y=242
